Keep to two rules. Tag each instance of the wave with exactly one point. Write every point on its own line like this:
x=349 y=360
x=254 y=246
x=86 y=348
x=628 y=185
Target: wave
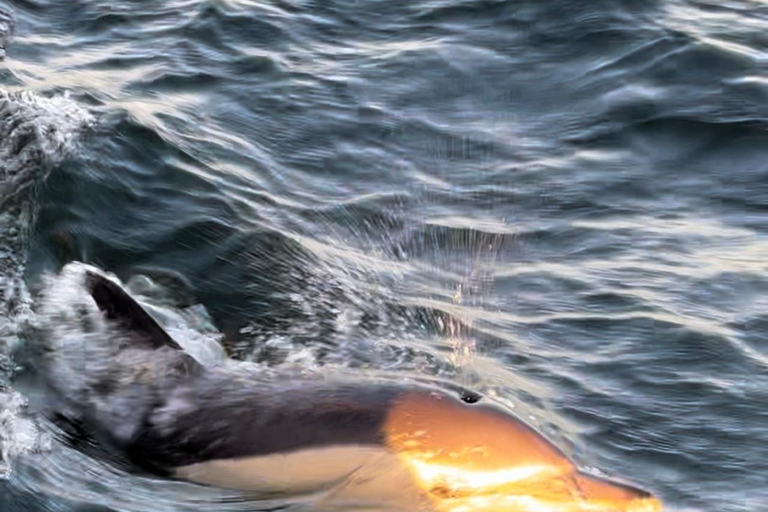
x=36 y=134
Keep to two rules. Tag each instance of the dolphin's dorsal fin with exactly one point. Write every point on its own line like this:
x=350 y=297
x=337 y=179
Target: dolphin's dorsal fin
x=120 y=307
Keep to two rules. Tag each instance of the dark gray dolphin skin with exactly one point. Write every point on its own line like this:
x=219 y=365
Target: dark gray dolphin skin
x=343 y=440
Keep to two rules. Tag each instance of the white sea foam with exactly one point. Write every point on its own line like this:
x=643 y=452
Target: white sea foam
x=36 y=134
x=53 y=124
x=18 y=433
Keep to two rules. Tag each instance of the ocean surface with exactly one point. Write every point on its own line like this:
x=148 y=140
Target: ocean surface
x=563 y=204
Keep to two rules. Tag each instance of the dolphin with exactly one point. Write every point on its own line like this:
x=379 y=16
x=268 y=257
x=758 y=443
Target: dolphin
x=347 y=441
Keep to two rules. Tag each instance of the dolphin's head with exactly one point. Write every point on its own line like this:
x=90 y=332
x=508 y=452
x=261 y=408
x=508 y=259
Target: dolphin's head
x=470 y=456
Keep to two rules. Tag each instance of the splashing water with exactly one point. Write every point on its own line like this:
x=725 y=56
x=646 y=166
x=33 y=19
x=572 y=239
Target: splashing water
x=36 y=134
x=18 y=433
x=471 y=292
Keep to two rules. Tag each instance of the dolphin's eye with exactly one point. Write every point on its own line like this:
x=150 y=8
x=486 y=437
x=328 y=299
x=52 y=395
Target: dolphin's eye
x=469 y=397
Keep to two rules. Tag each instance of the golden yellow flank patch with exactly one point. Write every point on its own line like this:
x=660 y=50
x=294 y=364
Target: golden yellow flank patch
x=476 y=458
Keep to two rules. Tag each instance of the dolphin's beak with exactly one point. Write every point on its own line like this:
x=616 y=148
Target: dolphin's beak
x=605 y=494
x=575 y=492
x=527 y=489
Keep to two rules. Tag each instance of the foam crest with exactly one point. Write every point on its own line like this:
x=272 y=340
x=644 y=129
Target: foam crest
x=31 y=124
x=36 y=133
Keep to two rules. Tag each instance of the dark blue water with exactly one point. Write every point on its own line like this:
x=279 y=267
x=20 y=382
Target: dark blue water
x=561 y=203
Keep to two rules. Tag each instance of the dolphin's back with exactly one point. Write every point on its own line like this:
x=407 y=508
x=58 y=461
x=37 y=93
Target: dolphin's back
x=212 y=417
x=165 y=410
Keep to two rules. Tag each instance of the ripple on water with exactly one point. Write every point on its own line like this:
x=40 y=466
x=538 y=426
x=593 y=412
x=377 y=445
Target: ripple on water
x=561 y=204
